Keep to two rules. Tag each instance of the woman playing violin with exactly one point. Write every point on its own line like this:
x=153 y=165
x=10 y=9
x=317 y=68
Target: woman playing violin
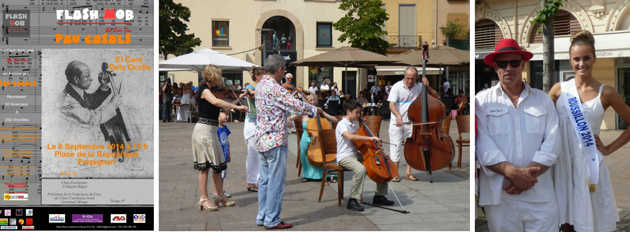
x=310 y=172
x=207 y=151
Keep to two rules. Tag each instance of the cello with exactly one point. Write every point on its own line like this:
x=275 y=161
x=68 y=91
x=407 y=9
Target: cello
x=315 y=149
x=377 y=165
x=429 y=148
x=114 y=130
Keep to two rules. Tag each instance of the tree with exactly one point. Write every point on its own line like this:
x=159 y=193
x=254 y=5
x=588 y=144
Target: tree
x=173 y=37
x=544 y=17
x=455 y=30
x=362 y=25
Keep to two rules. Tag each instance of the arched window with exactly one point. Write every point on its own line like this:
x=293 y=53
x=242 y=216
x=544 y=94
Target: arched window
x=487 y=34
x=564 y=23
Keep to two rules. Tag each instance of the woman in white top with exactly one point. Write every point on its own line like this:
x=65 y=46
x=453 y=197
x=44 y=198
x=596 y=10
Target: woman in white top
x=335 y=88
x=582 y=206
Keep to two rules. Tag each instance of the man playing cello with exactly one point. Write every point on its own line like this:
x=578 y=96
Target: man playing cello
x=401 y=96
x=349 y=158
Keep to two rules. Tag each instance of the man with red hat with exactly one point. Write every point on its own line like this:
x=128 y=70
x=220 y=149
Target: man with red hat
x=516 y=144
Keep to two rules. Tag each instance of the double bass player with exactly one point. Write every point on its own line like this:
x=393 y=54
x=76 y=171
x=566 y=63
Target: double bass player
x=402 y=94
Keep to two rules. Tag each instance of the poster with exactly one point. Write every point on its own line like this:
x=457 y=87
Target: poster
x=76 y=114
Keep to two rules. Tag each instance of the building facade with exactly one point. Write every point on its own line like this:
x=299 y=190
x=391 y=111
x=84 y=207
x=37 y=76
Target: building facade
x=294 y=29
x=608 y=20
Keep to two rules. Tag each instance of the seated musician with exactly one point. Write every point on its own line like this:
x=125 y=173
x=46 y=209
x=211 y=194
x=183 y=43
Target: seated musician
x=349 y=158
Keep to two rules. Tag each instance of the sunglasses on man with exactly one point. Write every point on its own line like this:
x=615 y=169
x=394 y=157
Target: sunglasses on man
x=504 y=63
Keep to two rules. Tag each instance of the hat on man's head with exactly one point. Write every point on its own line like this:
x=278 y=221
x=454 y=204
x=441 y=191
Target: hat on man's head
x=507 y=46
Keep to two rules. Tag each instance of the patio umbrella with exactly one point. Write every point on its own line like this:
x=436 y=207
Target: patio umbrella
x=198 y=60
x=438 y=57
x=347 y=57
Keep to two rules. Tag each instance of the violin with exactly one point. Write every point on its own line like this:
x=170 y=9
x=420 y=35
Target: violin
x=222 y=92
x=315 y=149
x=377 y=164
x=429 y=148
x=114 y=130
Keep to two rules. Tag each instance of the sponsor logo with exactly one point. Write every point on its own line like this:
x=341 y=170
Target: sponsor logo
x=29 y=221
x=87 y=218
x=18 y=212
x=21 y=221
x=4 y=221
x=139 y=218
x=7 y=212
x=12 y=221
x=28 y=227
x=56 y=218
x=15 y=197
x=29 y=212
x=12 y=227
x=119 y=218
x=4 y=227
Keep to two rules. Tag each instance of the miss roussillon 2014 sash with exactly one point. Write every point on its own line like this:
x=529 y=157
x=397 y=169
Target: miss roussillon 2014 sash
x=583 y=130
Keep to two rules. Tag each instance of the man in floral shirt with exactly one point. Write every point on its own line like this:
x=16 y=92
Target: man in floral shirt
x=273 y=105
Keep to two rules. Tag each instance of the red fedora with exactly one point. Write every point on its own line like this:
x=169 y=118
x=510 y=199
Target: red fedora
x=507 y=46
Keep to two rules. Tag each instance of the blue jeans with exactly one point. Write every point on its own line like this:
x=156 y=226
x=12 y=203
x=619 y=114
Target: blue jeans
x=273 y=174
x=167 y=104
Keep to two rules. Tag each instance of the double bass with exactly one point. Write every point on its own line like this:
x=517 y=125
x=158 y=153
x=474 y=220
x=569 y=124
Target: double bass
x=114 y=130
x=377 y=165
x=429 y=148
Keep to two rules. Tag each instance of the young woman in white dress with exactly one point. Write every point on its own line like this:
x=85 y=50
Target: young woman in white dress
x=583 y=207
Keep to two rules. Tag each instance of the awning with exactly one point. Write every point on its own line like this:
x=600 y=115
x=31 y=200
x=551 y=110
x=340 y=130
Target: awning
x=607 y=45
x=400 y=70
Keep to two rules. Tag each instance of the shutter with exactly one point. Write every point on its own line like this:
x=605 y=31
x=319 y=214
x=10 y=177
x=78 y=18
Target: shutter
x=564 y=23
x=487 y=34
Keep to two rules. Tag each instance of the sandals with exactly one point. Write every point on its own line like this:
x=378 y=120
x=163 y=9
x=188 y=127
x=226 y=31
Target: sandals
x=200 y=206
x=252 y=188
x=396 y=179
x=332 y=179
x=411 y=177
x=304 y=180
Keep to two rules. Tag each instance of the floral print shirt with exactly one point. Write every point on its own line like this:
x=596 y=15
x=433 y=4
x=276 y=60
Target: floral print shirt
x=273 y=106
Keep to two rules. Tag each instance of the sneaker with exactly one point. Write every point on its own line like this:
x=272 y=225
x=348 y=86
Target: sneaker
x=280 y=225
x=381 y=200
x=354 y=205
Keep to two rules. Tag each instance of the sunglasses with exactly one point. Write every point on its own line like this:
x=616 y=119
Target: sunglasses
x=504 y=63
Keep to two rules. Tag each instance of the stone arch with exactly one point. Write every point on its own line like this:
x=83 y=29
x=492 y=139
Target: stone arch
x=621 y=9
x=483 y=12
x=569 y=6
x=299 y=36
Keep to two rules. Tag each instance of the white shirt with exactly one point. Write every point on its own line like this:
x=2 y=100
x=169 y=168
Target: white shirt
x=402 y=98
x=313 y=89
x=446 y=85
x=324 y=87
x=345 y=147
x=388 y=89
x=519 y=135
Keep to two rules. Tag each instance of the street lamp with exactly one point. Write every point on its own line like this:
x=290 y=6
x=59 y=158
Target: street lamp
x=264 y=43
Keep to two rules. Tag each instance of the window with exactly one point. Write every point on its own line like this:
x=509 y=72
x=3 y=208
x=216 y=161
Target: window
x=324 y=34
x=564 y=23
x=487 y=34
x=220 y=33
